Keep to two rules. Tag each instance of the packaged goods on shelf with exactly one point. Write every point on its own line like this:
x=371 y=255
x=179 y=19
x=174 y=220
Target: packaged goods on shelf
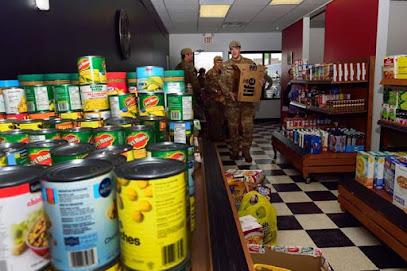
x=365 y=163
x=252 y=230
x=307 y=123
x=242 y=181
x=400 y=187
x=395 y=67
x=346 y=140
x=117 y=83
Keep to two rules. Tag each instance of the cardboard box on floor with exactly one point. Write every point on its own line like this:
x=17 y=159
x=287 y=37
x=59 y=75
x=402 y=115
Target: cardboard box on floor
x=247 y=78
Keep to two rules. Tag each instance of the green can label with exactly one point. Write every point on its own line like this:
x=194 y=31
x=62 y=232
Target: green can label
x=180 y=155
x=180 y=107
x=151 y=104
x=92 y=70
x=139 y=141
x=160 y=128
x=14 y=138
x=67 y=98
x=108 y=138
x=45 y=136
x=123 y=105
x=40 y=156
x=78 y=136
x=39 y=99
x=60 y=159
x=182 y=132
x=17 y=158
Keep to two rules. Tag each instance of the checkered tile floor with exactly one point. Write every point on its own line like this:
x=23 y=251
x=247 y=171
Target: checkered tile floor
x=309 y=214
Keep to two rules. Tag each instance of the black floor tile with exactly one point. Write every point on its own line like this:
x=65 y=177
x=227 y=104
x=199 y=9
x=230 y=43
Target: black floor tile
x=344 y=220
x=302 y=208
x=262 y=142
x=224 y=153
x=255 y=145
x=331 y=185
x=288 y=223
x=274 y=172
x=228 y=163
x=263 y=161
x=285 y=166
x=267 y=148
x=275 y=198
x=297 y=178
x=286 y=187
x=321 y=195
x=330 y=238
x=248 y=167
x=257 y=153
x=384 y=257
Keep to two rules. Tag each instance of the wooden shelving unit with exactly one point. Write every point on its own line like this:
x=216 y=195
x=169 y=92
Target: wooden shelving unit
x=324 y=110
x=394 y=82
x=325 y=82
x=393 y=125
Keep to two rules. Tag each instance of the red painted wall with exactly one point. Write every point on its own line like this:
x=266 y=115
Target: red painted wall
x=291 y=42
x=350 y=29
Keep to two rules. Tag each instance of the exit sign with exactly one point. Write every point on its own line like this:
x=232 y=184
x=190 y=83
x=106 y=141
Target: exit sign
x=207 y=39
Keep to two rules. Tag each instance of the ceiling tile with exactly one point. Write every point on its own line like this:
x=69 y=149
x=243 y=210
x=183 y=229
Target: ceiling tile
x=210 y=21
x=241 y=13
x=208 y=29
x=252 y=2
x=319 y=2
x=181 y=2
x=272 y=13
x=216 y=2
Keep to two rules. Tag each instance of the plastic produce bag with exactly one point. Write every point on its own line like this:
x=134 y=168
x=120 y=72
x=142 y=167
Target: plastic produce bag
x=259 y=207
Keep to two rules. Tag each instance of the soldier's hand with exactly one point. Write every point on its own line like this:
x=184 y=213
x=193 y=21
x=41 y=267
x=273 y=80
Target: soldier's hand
x=262 y=81
x=232 y=96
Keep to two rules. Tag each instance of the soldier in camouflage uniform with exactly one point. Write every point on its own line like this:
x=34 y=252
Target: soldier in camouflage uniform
x=186 y=64
x=235 y=111
x=214 y=101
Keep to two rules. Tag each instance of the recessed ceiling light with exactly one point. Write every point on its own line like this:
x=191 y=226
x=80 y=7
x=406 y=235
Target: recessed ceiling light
x=213 y=11
x=285 y=2
x=277 y=28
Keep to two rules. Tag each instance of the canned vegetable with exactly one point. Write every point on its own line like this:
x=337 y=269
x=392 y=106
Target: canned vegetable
x=78 y=135
x=39 y=153
x=71 y=151
x=44 y=134
x=108 y=136
x=139 y=137
x=92 y=70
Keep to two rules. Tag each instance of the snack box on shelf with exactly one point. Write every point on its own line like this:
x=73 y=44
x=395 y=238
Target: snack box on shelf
x=252 y=230
x=243 y=181
x=400 y=186
x=390 y=171
x=365 y=163
x=395 y=67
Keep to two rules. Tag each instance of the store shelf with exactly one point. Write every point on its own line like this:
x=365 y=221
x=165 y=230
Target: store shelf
x=393 y=82
x=323 y=110
x=294 y=147
x=393 y=125
x=325 y=82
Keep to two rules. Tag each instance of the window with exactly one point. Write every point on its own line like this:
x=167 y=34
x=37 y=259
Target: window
x=272 y=60
x=205 y=59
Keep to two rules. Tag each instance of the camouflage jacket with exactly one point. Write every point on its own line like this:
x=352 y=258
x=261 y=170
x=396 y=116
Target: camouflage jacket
x=212 y=85
x=190 y=76
x=226 y=77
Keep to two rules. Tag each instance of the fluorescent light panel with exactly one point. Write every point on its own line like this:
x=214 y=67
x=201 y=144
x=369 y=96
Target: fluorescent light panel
x=285 y=2
x=213 y=11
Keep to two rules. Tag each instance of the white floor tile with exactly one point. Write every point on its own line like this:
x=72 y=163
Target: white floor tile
x=291 y=172
x=360 y=236
x=282 y=209
x=314 y=186
x=290 y=197
x=294 y=238
x=315 y=221
x=269 y=167
x=279 y=179
x=329 y=207
x=263 y=156
x=348 y=259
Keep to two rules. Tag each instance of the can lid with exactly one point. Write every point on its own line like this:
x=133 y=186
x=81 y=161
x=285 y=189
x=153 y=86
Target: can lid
x=166 y=146
x=149 y=169
x=16 y=175
x=122 y=120
x=9 y=83
x=47 y=143
x=88 y=119
x=16 y=132
x=29 y=121
x=174 y=73
x=12 y=147
x=151 y=118
x=114 y=149
x=77 y=170
x=144 y=72
x=77 y=129
x=115 y=159
x=30 y=77
x=44 y=131
x=58 y=120
x=74 y=76
x=72 y=149
x=108 y=128
x=132 y=75
x=140 y=128
x=57 y=76
x=116 y=75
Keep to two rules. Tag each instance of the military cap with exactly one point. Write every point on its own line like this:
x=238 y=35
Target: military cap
x=234 y=44
x=186 y=51
x=217 y=58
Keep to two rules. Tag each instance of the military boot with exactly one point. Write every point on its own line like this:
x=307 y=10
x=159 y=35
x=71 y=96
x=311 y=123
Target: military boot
x=246 y=154
x=234 y=153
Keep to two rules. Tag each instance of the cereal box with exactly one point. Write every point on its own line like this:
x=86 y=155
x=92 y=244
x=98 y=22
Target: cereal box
x=389 y=170
x=365 y=163
x=400 y=66
x=378 y=179
x=400 y=187
x=388 y=68
x=252 y=230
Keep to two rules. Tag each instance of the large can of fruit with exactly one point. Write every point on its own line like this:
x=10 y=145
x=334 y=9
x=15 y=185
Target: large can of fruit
x=108 y=136
x=94 y=97
x=143 y=200
x=57 y=123
x=23 y=227
x=7 y=125
x=150 y=79
x=151 y=104
x=174 y=81
x=71 y=151
x=132 y=82
x=39 y=153
x=181 y=132
x=122 y=122
x=89 y=123
x=139 y=137
x=29 y=124
x=116 y=83
x=123 y=105
x=16 y=153
x=39 y=96
x=101 y=114
x=78 y=135
x=44 y=134
x=180 y=107
x=70 y=115
x=79 y=202
x=159 y=124
x=15 y=101
x=92 y=70
x=124 y=150
x=67 y=98
x=15 y=136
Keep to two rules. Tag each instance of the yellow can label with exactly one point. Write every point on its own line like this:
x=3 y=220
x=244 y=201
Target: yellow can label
x=192 y=209
x=139 y=154
x=129 y=155
x=116 y=267
x=6 y=126
x=3 y=162
x=153 y=223
x=90 y=124
x=71 y=115
x=30 y=126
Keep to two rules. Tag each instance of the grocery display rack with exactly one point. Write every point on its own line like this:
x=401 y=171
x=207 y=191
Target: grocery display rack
x=330 y=162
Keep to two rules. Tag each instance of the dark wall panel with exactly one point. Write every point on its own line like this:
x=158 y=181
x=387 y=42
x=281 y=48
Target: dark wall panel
x=34 y=41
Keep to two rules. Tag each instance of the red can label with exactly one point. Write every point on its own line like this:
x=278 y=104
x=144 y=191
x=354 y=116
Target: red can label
x=138 y=141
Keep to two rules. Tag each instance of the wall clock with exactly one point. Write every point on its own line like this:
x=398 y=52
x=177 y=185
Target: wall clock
x=124 y=34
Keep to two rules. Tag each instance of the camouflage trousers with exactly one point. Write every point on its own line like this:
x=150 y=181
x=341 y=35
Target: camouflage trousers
x=240 y=113
x=216 y=119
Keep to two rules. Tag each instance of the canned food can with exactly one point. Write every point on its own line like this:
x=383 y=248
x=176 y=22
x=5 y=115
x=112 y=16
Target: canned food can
x=139 y=137
x=89 y=123
x=108 y=136
x=104 y=115
x=94 y=97
x=92 y=70
x=60 y=124
x=7 y=125
x=132 y=82
x=114 y=266
x=180 y=107
x=44 y=134
x=67 y=98
x=29 y=124
x=14 y=136
x=191 y=151
x=125 y=150
x=39 y=98
x=16 y=153
x=182 y=132
x=122 y=122
x=116 y=83
x=42 y=116
x=174 y=81
x=39 y=153
x=79 y=201
x=115 y=159
x=71 y=151
x=15 y=101
x=142 y=202
x=78 y=135
x=150 y=79
x=169 y=150
x=2 y=116
x=23 y=236
x=2 y=106
x=3 y=161
x=22 y=116
x=159 y=124
x=70 y=115
x=151 y=104
x=123 y=105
